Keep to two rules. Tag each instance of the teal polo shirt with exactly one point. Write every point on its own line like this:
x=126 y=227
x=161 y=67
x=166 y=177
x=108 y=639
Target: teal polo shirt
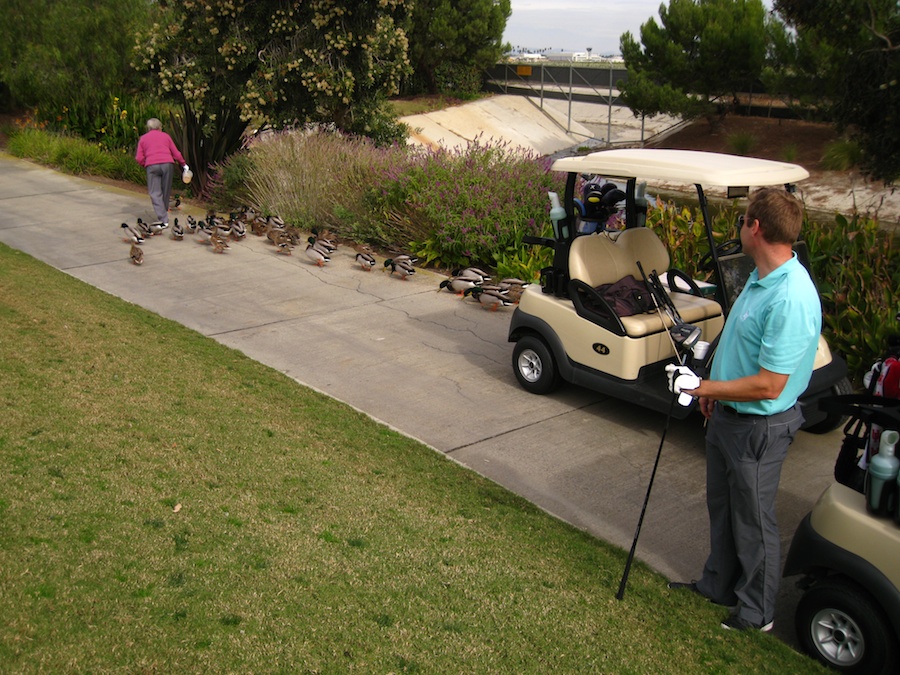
x=774 y=324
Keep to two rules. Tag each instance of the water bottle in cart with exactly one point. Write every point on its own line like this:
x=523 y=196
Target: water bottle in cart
x=881 y=477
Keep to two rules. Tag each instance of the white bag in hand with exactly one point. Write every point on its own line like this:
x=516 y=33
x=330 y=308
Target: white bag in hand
x=186 y=174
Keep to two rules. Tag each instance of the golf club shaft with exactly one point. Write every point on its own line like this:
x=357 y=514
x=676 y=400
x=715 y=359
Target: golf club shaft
x=637 y=532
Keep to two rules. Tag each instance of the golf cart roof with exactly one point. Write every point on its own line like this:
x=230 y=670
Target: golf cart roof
x=685 y=166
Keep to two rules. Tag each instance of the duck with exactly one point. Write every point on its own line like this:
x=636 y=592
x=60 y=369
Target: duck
x=238 y=229
x=280 y=237
x=258 y=226
x=132 y=234
x=191 y=224
x=513 y=287
x=175 y=202
x=364 y=257
x=458 y=284
x=490 y=298
x=403 y=265
x=218 y=241
x=275 y=234
x=177 y=230
x=472 y=272
x=285 y=248
x=325 y=239
x=320 y=246
x=204 y=232
x=315 y=254
x=136 y=254
x=144 y=229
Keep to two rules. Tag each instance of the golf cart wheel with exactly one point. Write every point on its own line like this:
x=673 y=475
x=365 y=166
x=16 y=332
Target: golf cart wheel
x=840 y=625
x=833 y=420
x=534 y=366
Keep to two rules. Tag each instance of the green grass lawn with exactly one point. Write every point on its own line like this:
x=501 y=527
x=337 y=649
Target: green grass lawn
x=168 y=505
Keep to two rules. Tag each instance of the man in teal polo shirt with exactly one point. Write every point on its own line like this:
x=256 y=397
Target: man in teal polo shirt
x=762 y=365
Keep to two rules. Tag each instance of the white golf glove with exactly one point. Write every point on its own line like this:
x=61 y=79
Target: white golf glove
x=681 y=378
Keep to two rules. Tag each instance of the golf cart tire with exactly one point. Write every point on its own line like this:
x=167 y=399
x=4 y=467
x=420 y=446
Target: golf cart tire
x=534 y=366
x=834 y=420
x=841 y=626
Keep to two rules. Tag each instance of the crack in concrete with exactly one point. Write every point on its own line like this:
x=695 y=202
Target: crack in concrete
x=522 y=427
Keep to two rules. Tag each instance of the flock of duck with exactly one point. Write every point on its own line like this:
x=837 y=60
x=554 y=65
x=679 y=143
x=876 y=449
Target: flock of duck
x=217 y=231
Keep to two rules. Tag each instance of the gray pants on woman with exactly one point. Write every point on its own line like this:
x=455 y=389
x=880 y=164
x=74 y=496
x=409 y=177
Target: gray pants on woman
x=159 y=185
x=744 y=454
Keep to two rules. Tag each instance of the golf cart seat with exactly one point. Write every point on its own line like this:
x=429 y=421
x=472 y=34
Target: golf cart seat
x=599 y=259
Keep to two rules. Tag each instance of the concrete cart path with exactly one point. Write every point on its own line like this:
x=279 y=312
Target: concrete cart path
x=427 y=363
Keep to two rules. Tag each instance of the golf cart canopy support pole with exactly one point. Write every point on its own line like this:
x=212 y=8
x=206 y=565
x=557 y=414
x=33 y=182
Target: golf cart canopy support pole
x=714 y=254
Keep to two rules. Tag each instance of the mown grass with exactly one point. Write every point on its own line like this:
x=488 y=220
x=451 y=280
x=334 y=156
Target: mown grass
x=169 y=505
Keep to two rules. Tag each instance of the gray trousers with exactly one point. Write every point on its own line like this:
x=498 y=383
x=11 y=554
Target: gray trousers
x=159 y=185
x=744 y=455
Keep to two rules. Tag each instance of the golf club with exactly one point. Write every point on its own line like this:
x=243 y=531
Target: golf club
x=682 y=334
x=621 y=593
x=692 y=335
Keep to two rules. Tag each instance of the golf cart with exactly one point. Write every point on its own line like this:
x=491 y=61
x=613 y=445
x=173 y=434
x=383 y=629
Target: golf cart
x=849 y=615
x=566 y=330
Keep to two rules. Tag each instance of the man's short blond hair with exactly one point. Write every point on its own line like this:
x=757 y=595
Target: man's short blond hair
x=779 y=213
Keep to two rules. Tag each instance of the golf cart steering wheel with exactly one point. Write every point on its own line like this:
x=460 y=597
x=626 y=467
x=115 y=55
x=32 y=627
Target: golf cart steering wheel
x=727 y=247
x=674 y=274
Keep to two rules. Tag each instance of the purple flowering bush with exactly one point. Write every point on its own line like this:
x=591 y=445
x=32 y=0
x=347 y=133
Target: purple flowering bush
x=471 y=206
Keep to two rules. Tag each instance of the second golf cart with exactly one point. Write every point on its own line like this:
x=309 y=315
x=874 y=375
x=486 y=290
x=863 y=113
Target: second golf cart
x=566 y=330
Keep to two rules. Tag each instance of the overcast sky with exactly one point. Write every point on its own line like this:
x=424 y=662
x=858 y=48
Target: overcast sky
x=575 y=25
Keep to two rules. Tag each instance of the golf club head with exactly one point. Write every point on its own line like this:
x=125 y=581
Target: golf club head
x=685 y=336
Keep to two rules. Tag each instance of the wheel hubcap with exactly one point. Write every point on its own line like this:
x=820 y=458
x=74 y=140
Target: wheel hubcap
x=837 y=637
x=530 y=365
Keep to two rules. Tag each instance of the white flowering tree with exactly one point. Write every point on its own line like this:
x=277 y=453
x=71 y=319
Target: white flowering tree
x=233 y=64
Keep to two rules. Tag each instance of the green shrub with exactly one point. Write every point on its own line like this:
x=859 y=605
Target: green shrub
x=116 y=126
x=682 y=230
x=227 y=187
x=741 y=142
x=857 y=267
x=841 y=155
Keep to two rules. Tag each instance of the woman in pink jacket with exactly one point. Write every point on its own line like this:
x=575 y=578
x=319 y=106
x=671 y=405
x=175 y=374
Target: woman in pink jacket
x=157 y=153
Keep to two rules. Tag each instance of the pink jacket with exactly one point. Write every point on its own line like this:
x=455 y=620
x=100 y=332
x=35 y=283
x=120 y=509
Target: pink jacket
x=157 y=147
